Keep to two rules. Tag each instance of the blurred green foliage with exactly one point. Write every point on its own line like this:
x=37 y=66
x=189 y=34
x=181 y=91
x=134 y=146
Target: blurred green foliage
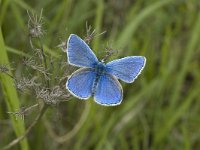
x=160 y=109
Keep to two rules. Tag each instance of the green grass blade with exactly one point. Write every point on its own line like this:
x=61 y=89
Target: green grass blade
x=16 y=51
x=4 y=7
x=127 y=33
x=10 y=95
x=18 y=16
x=23 y=5
x=194 y=41
x=98 y=23
x=162 y=132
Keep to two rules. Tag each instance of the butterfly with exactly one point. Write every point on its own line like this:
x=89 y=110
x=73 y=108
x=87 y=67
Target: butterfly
x=97 y=79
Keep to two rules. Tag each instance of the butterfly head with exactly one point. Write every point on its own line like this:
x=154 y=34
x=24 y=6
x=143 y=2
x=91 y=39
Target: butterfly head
x=99 y=68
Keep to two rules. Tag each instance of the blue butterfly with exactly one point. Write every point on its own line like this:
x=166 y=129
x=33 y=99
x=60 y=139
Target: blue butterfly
x=97 y=79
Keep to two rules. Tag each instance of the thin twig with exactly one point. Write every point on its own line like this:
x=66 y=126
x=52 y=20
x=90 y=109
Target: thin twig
x=73 y=132
x=9 y=75
x=44 y=58
x=5 y=69
x=38 y=117
x=23 y=111
x=32 y=63
x=31 y=107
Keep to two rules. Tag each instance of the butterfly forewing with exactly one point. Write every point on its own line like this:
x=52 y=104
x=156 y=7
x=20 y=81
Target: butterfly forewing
x=97 y=79
x=79 y=53
x=108 y=91
x=127 y=69
x=80 y=83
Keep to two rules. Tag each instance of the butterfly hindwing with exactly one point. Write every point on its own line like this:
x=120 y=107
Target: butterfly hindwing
x=127 y=69
x=108 y=91
x=96 y=78
x=79 y=53
x=80 y=83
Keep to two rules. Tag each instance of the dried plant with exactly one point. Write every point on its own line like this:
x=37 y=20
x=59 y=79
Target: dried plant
x=39 y=82
x=4 y=68
x=109 y=51
x=24 y=83
x=35 y=25
x=52 y=96
x=30 y=62
x=91 y=34
x=63 y=45
x=23 y=112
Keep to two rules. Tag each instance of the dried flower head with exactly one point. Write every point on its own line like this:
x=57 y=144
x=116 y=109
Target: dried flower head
x=109 y=51
x=30 y=62
x=91 y=34
x=4 y=68
x=38 y=53
x=26 y=83
x=35 y=24
x=52 y=96
x=63 y=46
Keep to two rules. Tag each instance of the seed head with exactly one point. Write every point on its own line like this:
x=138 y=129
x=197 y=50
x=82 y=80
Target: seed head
x=35 y=24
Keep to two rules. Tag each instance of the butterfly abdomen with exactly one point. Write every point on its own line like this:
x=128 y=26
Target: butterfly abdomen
x=95 y=85
x=97 y=79
x=99 y=69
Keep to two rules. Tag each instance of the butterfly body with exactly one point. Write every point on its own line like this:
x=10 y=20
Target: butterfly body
x=97 y=79
x=99 y=69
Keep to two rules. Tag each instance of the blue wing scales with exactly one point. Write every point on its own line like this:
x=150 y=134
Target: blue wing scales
x=80 y=83
x=108 y=91
x=79 y=53
x=127 y=69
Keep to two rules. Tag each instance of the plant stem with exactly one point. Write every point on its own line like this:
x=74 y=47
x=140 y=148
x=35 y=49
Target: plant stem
x=38 y=117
